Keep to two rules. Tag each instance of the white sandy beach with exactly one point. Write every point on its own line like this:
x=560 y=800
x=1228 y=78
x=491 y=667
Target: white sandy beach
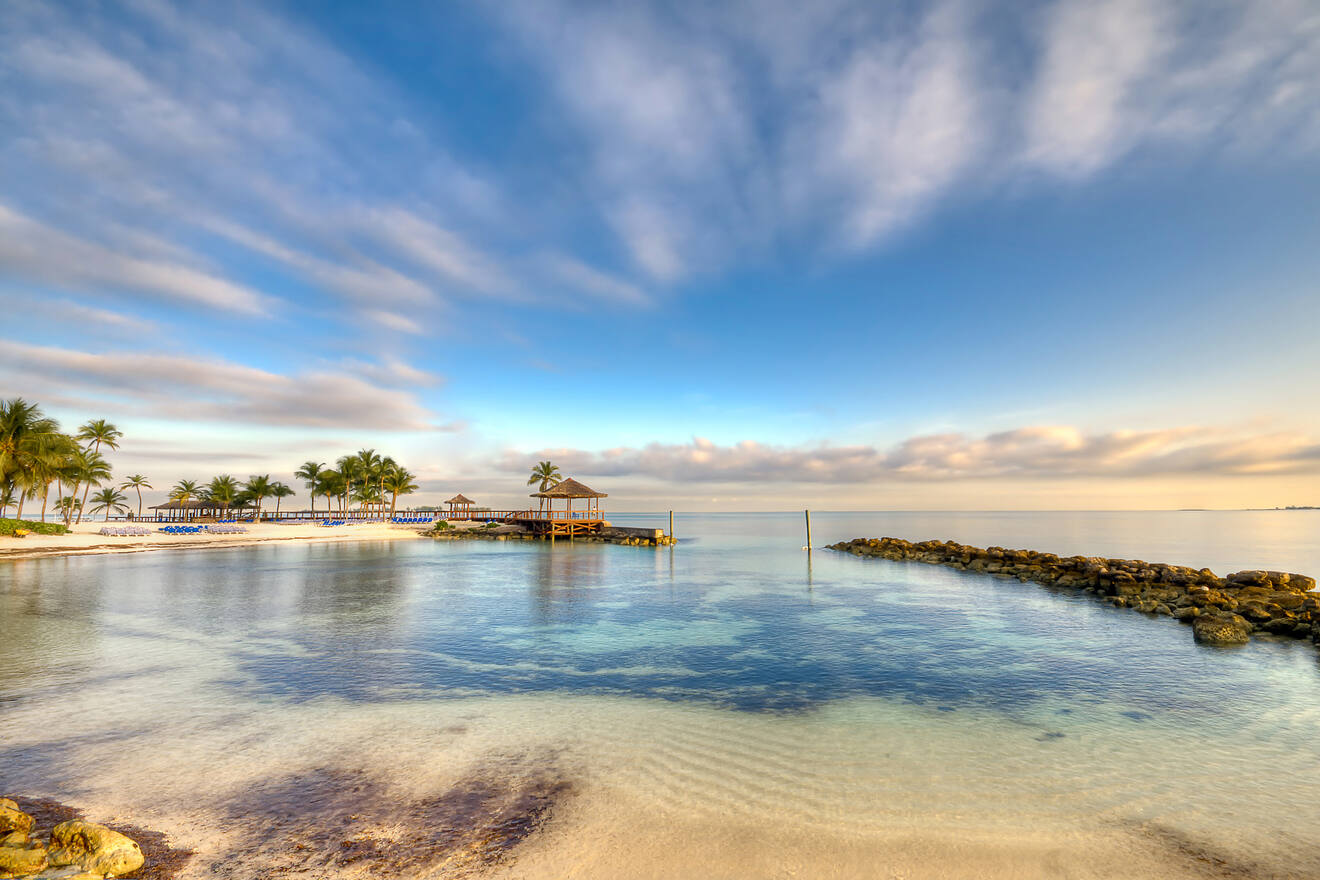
x=83 y=538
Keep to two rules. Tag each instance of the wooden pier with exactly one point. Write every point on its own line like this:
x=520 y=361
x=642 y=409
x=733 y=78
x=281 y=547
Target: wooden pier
x=559 y=523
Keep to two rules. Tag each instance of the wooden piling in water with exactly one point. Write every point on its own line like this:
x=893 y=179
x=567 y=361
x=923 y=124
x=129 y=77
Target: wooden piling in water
x=808 y=513
x=671 y=524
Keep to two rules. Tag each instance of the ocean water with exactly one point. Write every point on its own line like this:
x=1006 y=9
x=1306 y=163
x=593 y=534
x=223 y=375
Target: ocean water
x=730 y=707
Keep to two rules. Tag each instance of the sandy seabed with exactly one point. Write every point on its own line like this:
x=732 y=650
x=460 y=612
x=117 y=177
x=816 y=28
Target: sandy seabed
x=546 y=787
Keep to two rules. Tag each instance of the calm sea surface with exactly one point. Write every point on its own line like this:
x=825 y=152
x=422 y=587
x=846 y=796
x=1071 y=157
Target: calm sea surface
x=729 y=707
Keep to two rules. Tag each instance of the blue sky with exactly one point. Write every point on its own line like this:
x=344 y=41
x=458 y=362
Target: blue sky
x=959 y=254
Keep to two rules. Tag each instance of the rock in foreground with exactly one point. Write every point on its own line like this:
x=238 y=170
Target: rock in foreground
x=77 y=851
x=93 y=848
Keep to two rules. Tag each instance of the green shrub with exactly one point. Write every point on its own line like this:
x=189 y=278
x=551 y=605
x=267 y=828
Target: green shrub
x=9 y=526
x=441 y=525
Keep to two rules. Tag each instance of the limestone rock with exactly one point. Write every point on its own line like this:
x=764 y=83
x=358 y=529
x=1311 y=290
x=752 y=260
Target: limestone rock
x=12 y=818
x=1221 y=629
x=1301 y=582
x=93 y=847
x=18 y=861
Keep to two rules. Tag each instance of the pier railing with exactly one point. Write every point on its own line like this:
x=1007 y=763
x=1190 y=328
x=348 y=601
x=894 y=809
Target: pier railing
x=521 y=515
x=358 y=515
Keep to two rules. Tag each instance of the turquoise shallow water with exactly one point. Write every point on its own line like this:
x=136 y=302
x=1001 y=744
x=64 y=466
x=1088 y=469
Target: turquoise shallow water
x=931 y=697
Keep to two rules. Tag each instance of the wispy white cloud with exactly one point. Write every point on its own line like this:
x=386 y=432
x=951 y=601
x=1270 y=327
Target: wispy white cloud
x=152 y=121
x=394 y=321
x=67 y=314
x=1081 y=112
x=193 y=389
x=1029 y=453
x=600 y=286
x=32 y=251
x=716 y=130
x=900 y=121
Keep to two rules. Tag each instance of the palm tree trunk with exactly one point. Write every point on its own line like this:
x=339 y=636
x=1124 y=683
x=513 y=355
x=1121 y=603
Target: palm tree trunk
x=139 y=491
x=45 y=496
x=22 y=493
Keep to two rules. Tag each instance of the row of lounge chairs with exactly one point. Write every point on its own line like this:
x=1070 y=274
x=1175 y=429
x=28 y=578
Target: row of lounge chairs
x=124 y=531
x=198 y=530
x=413 y=519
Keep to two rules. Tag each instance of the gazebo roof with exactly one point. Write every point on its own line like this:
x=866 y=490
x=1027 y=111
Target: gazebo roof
x=570 y=488
x=460 y=499
x=197 y=505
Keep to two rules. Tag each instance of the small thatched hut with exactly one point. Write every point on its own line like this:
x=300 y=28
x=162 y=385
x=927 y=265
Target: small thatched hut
x=568 y=490
x=460 y=504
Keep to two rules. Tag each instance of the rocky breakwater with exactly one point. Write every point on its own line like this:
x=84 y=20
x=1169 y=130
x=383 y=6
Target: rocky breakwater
x=1222 y=610
x=73 y=850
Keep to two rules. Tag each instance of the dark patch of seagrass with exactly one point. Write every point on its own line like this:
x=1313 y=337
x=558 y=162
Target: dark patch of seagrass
x=325 y=821
x=1209 y=860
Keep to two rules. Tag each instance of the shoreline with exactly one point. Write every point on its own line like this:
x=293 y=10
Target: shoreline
x=83 y=539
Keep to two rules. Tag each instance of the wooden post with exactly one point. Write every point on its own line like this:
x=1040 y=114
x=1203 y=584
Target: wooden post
x=808 y=513
x=671 y=524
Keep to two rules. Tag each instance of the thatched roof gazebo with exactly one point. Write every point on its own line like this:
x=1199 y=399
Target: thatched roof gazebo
x=460 y=503
x=568 y=490
x=189 y=510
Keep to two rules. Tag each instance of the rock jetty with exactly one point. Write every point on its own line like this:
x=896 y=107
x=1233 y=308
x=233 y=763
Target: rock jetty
x=1222 y=610
x=74 y=850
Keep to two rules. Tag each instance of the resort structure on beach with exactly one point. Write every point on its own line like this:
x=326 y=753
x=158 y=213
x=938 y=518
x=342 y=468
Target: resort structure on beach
x=544 y=520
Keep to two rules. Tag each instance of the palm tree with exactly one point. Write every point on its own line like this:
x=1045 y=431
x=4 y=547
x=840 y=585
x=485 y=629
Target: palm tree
x=349 y=466
x=280 y=490
x=258 y=487
x=368 y=468
x=108 y=500
x=54 y=467
x=222 y=490
x=26 y=436
x=547 y=476
x=399 y=482
x=138 y=482
x=95 y=434
x=89 y=469
x=184 y=491
x=331 y=484
x=65 y=508
x=381 y=472
x=366 y=494
x=311 y=472
x=7 y=499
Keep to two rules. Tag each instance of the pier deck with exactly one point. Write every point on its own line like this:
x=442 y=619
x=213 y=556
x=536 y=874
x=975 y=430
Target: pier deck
x=545 y=522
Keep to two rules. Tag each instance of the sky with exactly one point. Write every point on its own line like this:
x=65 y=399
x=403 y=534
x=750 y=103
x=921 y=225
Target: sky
x=732 y=256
